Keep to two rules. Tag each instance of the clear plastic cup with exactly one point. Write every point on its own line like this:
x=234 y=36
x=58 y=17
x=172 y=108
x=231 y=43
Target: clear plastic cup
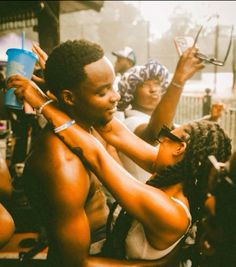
x=21 y=62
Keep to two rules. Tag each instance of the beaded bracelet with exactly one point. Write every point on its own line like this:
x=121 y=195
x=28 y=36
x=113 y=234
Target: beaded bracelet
x=177 y=85
x=64 y=126
x=44 y=105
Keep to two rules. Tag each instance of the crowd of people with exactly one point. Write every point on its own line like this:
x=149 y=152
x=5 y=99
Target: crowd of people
x=132 y=191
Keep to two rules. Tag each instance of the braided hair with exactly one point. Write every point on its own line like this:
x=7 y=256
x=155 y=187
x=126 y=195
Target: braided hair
x=206 y=138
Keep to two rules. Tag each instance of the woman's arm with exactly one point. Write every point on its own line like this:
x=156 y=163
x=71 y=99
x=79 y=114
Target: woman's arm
x=119 y=136
x=7 y=226
x=5 y=181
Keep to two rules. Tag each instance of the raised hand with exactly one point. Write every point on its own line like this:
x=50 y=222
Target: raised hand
x=42 y=56
x=216 y=111
x=187 y=66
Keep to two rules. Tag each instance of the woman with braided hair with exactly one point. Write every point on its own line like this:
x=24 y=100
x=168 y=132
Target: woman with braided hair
x=203 y=138
x=163 y=209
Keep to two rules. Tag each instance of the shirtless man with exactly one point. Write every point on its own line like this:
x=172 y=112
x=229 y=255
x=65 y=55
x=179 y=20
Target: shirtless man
x=68 y=196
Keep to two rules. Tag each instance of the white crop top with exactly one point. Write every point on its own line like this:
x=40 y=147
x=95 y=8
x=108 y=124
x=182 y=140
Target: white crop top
x=137 y=245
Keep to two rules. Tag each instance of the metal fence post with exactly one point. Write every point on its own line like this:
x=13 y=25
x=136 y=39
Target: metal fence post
x=206 y=107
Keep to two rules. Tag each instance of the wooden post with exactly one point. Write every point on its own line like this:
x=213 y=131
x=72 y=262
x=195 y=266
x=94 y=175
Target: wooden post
x=48 y=25
x=206 y=102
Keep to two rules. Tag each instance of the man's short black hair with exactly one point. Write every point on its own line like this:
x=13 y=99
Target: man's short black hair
x=65 y=65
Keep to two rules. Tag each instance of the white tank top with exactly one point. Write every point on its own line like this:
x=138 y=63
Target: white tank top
x=137 y=245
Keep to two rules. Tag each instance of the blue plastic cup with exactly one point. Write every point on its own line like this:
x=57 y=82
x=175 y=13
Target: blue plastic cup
x=21 y=62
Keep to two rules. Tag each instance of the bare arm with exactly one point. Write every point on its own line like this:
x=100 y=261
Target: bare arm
x=7 y=226
x=109 y=148
x=117 y=134
x=5 y=181
x=65 y=184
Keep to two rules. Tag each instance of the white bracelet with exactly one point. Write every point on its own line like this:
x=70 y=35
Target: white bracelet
x=177 y=85
x=64 y=126
x=43 y=105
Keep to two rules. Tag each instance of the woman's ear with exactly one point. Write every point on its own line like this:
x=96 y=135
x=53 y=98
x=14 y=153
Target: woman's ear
x=68 y=97
x=180 y=149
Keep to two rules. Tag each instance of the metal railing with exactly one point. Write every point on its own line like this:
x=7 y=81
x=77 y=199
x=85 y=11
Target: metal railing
x=228 y=123
x=193 y=107
x=189 y=108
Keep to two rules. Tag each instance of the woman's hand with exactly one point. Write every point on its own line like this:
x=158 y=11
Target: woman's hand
x=216 y=111
x=42 y=56
x=27 y=90
x=187 y=66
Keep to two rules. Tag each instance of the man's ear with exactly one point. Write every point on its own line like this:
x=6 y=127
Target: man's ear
x=68 y=97
x=180 y=149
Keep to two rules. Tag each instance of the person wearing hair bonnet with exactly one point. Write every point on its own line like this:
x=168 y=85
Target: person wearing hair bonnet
x=135 y=77
x=141 y=89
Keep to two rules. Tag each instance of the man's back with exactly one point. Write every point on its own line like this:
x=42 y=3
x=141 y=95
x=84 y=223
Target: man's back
x=59 y=186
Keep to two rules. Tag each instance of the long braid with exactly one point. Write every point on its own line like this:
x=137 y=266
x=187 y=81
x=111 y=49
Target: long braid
x=114 y=246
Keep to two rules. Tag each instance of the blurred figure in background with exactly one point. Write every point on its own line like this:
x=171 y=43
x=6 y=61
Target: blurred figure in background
x=216 y=112
x=141 y=89
x=125 y=59
x=218 y=242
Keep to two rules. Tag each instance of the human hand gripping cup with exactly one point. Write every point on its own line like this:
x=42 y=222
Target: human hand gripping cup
x=21 y=62
x=27 y=90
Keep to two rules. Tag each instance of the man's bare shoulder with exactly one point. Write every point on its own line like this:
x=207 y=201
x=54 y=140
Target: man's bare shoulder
x=50 y=155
